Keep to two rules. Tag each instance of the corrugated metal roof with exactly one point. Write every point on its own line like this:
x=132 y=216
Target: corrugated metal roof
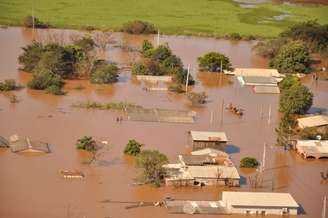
x=259 y=199
x=266 y=89
x=258 y=80
x=313 y=146
x=313 y=121
x=213 y=171
x=256 y=72
x=188 y=159
x=154 y=78
x=195 y=207
x=208 y=136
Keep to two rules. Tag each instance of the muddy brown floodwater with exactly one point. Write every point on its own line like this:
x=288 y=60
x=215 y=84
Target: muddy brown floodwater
x=31 y=186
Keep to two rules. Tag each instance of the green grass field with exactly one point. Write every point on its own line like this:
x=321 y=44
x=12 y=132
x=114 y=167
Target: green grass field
x=208 y=17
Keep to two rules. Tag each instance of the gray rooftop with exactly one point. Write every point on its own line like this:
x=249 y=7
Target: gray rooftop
x=26 y=145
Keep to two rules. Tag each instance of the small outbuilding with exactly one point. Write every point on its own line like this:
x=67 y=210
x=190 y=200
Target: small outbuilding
x=259 y=203
x=257 y=81
x=194 y=207
x=27 y=145
x=313 y=121
x=312 y=148
x=203 y=139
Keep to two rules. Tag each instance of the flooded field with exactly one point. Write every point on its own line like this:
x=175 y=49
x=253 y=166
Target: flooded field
x=31 y=186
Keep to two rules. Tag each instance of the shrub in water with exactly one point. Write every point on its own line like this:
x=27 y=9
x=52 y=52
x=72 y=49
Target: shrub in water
x=133 y=148
x=138 y=27
x=249 y=162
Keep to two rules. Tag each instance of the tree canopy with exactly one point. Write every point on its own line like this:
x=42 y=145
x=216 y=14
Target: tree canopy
x=138 y=27
x=293 y=57
x=133 y=148
x=249 y=162
x=150 y=163
x=212 y=62
x=296 y=100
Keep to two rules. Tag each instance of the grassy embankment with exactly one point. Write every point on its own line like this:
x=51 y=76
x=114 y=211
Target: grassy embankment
x=197 y=17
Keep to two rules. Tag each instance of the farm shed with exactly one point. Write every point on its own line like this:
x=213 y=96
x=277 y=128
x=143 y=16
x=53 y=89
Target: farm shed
x=257 y=81
x=259 y=203
x=312 y=148
x=202 y=139
x=313 y=121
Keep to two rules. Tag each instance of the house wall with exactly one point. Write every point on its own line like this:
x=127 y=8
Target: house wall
x=198 y=145
x=255 y=210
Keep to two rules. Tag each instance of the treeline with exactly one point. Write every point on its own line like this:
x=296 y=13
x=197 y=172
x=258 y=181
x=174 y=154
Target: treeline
x=161 y=61
x=290 y=52
x=52 y=63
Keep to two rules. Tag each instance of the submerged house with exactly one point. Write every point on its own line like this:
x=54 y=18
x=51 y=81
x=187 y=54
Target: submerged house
x=312 y=148
x=259 y=203
x=262 y=72
x=204 y=139
x=27 y=145
x=202 y=170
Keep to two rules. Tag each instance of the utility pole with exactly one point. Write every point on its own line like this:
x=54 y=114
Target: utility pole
x=187 y=80
x=263 y=158
x=158 y=38
x=222 y=107
x=269 y=118
x=324 y=207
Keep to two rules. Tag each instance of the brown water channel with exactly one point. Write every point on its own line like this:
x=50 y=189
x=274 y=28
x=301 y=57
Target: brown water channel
x=31 y=186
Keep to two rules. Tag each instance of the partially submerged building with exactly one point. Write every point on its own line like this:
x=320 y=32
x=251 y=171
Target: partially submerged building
x=262 y=72
x=259 y=203
x=155 y=79
x=3 y=142
x=257 y=81
x=259 y=89
x=204 y=139
x=203 y=169
x=27 y=145
x=195 y=207
x=312 y=148
x=313 y=121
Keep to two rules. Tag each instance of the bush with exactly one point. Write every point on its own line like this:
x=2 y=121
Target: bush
x=28 y=22
x=87 y=143
x=293 y=57
x=249 y=162
x=133 y=148
x=311 y=32
x=150 y=163
x=138 y=27
x=55 y=90
x=212 y=62
x=197 y=98
x=31 y=56
x=296 y=100
x=146 y=45
x=87 y=44
x=234 y=36
x=44 y=79
x=58 y=60
x=9 y=85
x=104 y=74
x=174 y=87
x=270 y=48
x=289 y=81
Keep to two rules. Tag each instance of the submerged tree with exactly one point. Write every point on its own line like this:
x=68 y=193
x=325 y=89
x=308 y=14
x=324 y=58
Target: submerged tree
x=86 y=143
x=150 y=163
x=249 y=162
x=214 y=62
x=138 y=27
x=293 y=57
x=285 y=129
x=197 y=98
x=296 y=100
x=133 y=148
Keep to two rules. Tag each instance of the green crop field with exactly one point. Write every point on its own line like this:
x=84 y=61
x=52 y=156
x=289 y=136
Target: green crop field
x=208 y=17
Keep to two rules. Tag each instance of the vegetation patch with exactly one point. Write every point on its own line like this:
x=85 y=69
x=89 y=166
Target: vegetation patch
x=214 y=62
x=197 y=98
x=149 y=164
x=106 y=106
x=161 y=61
x=30 y=22
x=133 y=148
x=249 y=162
x=9 y=85
x=138 y=27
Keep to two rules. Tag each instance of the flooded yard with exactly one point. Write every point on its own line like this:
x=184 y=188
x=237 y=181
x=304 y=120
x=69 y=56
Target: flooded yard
x=31 y=185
